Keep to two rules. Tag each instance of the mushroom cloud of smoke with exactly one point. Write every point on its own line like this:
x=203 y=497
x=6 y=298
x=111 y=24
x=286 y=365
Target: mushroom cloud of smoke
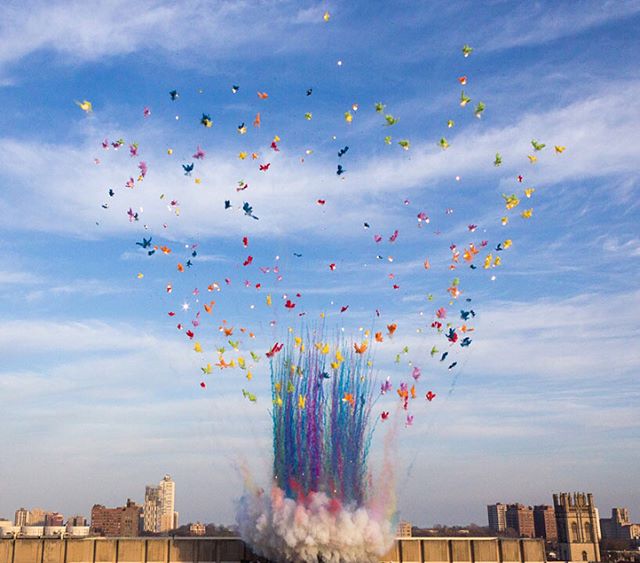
x=283 y=529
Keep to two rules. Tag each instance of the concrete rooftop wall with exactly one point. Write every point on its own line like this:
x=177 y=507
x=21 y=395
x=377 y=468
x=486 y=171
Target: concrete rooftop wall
x=233 y=550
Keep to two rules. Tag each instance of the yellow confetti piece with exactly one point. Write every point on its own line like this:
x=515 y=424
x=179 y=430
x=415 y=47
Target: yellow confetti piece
x=85 y=106
x=511 y=201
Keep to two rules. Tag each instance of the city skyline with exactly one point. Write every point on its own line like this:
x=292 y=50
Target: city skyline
x=99 y=390
x=570 y=530
x=495 y=516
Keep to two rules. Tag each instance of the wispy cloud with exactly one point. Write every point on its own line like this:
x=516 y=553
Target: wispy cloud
x=18 y=278
x=76 y=35
x=536 y=24
x=622 y=249
x=86 y=287
x=599 y=133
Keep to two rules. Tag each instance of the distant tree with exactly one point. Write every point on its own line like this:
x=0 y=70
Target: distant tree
x=508 y=533
x=220 y=530
x=181 y=531
x=479 y=531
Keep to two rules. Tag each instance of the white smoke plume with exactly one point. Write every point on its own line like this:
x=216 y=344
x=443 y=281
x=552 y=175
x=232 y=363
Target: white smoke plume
x=315 y=529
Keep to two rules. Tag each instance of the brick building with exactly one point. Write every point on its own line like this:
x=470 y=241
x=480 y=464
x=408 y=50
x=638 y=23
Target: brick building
x=54 y=519
x=123 y=521
x=520 y=519
x=544 y=520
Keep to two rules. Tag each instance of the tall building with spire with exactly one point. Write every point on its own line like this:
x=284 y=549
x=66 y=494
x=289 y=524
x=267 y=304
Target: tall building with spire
x=159 y=507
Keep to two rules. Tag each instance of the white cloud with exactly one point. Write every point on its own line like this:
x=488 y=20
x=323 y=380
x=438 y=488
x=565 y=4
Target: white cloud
x=595 y=131
x=620 y=248
x=599 y=132
x=18 y=337
x=85 y=287
x=116 y=27
x=581 y=337
x=284 y=198
x=18 y=278
x=575 y=340
x=536 y=24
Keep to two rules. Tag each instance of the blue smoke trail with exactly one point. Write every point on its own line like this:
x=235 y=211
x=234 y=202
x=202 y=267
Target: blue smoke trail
x=322 y=397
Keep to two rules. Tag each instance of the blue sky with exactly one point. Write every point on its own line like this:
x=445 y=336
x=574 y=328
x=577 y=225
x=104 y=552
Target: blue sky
x=99 y=392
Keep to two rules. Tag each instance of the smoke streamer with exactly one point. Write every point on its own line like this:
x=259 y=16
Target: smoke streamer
x=321 y=506
x=321 y=433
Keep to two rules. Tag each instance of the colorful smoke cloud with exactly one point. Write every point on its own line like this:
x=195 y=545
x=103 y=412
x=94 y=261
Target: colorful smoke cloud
x=322 y=505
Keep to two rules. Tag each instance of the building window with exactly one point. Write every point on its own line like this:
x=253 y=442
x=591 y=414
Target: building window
x=587 y=532
x=584 y=556
x=574 y=532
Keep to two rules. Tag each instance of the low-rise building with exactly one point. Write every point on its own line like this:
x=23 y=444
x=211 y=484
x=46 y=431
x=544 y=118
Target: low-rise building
x=619 y=526
x=123 y=521
x=197 y=529
x=53 y=519
x=404 y=529
x=77 y=520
